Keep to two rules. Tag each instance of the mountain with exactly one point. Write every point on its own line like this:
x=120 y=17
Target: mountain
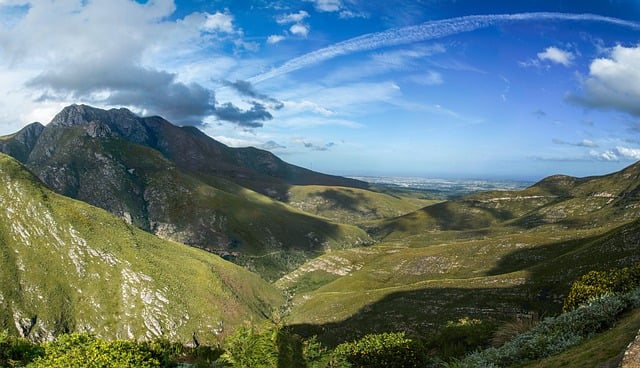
x=68 y=266
x=193 y=151
x=180 y=184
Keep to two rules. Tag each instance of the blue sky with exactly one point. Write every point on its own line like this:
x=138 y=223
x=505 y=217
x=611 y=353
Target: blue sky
x=431 y=88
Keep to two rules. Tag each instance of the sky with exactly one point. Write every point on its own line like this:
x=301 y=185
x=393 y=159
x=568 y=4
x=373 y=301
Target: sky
x=428 y=88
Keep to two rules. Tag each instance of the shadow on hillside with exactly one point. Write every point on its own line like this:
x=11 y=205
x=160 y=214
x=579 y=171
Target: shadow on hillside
x=353 y=202
x=551 y=269
x=422 y=312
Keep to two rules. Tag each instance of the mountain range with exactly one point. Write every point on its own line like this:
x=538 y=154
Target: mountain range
x=103 y=214
x=180 y=184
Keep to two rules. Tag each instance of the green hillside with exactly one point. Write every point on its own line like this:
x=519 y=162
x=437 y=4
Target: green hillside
x=351 y=205
x=481 y=256
x=67 y=266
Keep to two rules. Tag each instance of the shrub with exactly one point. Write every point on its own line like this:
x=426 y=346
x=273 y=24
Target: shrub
x=598 y=283
x=274 y=346
x=17 y=351
x=82 y=350
x=457 y=338
x=384 y=350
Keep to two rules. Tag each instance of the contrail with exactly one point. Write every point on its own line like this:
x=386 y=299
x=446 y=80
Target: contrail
x=430 y=30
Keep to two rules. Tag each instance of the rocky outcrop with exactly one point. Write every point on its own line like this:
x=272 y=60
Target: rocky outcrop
x=631 y=357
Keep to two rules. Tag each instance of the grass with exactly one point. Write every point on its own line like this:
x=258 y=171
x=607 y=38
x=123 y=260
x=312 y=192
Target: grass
x=351 y=205
x=68 y=266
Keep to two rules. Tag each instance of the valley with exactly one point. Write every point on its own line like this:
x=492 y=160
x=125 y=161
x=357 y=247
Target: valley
x=131 y=227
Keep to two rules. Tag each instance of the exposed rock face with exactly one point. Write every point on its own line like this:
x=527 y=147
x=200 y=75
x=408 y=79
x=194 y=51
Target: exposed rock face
x=632 y=354
x=21 y=143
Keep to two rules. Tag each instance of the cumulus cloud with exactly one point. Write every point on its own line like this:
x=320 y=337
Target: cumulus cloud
x=299 y=29
x=273 y=39
x=222 y=22
x=613 y=82
x=617 y=154
x=114 y=61
x=556 y=55
x=292 y=17
x=327 y=5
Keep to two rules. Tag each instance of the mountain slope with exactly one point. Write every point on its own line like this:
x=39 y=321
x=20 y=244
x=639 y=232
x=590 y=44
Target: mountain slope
x=67 y=266
x=554 y=202
x=182 y=185
x=350 y=205
x=193 y=151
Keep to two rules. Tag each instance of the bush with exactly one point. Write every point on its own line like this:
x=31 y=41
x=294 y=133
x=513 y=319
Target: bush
x=17 y=351
x=274 y=346
x=384 y=350
x=457 y=338
x=82 y=350
x=599 y=283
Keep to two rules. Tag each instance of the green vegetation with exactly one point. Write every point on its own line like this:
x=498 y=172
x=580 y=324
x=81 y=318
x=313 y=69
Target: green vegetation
x=392 y=350
x=351 y=205
x=554 y=335
x=378 y=278
x=66 y=266
x=596 y=284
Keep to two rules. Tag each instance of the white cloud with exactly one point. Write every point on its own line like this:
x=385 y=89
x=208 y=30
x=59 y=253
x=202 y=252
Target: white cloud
x=327 y=5
x=292 y=18
x=617 y=154
x=608 y=155
x=307 y=105
x=273 y=39
x=222 y=22
x=613 y=82
x=300 y=29
x=556 y=55
x=630 y=153
x=423 y=32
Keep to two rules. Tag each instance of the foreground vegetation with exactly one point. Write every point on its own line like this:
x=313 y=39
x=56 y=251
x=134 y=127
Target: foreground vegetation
x=459 y=345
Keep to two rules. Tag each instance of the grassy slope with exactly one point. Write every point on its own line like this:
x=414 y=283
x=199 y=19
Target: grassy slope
x=265 y=235
x=421 y=275
x=66 y=266
x=351 y=205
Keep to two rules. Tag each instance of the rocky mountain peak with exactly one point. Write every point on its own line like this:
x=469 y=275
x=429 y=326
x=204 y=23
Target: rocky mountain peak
x=121 y=120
